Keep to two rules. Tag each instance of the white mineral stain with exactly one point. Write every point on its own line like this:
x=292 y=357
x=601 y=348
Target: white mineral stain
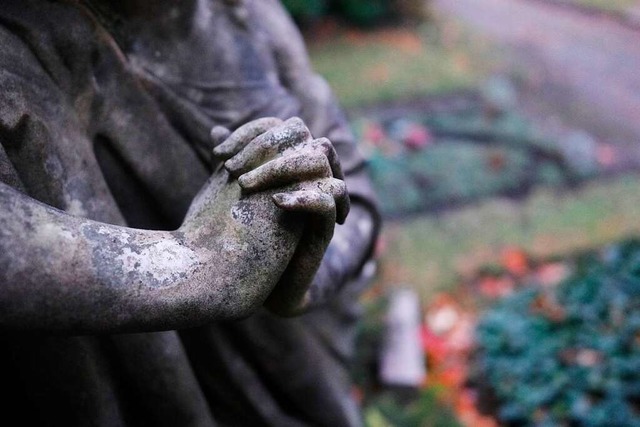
x=49 y=233
x=234 y=247
x=76 y=208
x=114 y=233
x=163 y=261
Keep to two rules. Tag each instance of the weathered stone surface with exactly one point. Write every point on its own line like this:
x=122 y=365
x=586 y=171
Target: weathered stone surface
x=117 y=215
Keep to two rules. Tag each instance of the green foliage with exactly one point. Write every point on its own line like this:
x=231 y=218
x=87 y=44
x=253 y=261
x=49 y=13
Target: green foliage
x=472 y=157
x=358 y=12
x=364 y=12
x=425 y=410
x=306 y=9
x=448 y=173
x=569 y=355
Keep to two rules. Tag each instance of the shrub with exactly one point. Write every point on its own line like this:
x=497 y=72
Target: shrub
x=466 y=156
x=358 y=12
x=569 y=355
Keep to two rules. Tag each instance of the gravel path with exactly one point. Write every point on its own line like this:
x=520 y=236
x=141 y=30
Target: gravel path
x=586 y=68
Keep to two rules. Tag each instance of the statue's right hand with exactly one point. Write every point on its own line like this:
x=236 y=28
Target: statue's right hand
x=269 y=154
x=304 y=177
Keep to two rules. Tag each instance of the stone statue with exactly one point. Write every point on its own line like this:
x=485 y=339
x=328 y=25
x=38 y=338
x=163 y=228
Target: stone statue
x=156 y=186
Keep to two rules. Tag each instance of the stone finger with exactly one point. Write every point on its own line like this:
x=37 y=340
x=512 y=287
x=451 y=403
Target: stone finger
x=268 y=145
x=324 y=146
x=286 y=170
x=219 y=134
x=308 y=201
x=338 y=190
x=244 y=135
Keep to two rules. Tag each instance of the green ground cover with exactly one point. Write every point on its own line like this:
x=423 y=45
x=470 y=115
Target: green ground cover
x=566 y=354
x=432 y=252
x=364 y=68
x=608 y=5
x=429 y=161
x=425 y=411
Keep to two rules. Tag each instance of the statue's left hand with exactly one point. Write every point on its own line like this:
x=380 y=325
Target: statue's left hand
x=269 y=154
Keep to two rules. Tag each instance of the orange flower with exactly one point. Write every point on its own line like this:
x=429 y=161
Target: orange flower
x=515 y=261
x=496 y=287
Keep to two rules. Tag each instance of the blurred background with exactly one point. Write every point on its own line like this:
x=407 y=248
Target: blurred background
x=503 y=141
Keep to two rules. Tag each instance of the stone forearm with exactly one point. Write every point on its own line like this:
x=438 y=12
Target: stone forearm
x=60 y=272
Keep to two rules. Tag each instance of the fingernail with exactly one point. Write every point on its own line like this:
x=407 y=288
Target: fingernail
x=246 y=181
x=294 y=120
x=219 y=134
x=222 y=150
x=281 y=199
x=231 y=166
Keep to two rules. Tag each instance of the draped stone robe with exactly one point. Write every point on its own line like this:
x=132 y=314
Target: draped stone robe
x=87 y=129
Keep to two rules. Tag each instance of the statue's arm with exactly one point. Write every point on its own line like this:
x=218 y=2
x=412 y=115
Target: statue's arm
x=61 y=272
x=274 y=205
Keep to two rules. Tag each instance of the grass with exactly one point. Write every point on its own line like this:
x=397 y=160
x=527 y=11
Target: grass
x=363 y=68
x=608 y=5
x=425 y=411
x=432 y=253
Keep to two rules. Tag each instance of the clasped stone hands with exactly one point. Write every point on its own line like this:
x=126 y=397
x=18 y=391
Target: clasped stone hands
x=271 y=154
